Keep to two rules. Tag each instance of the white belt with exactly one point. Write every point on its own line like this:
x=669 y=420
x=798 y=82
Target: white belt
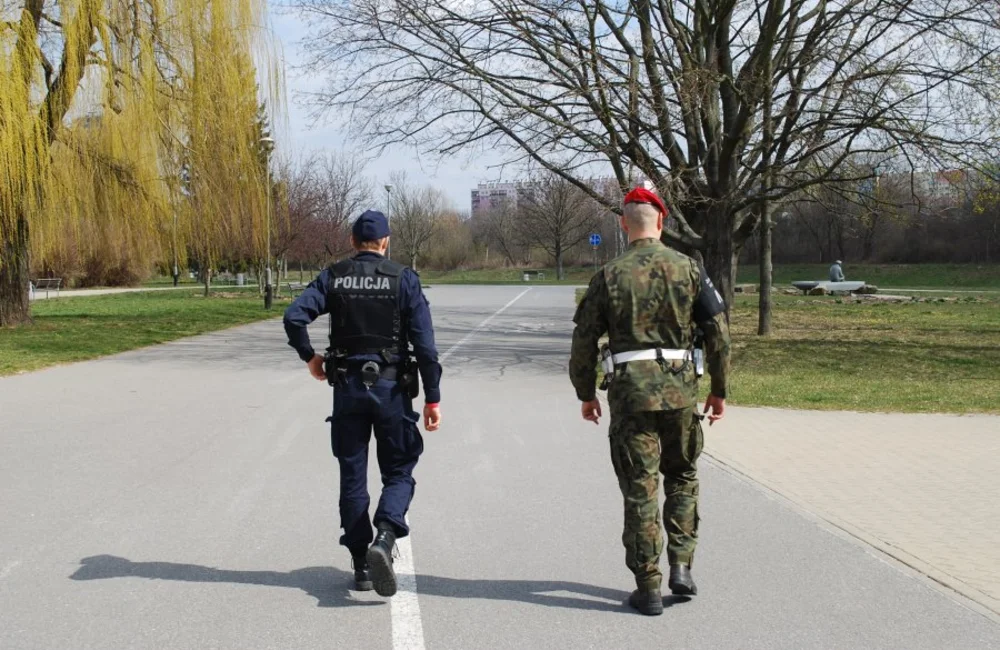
x=645 y=355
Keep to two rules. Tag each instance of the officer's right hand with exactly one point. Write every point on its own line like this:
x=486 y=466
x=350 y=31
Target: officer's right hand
x=432 y=417
x=316 y=368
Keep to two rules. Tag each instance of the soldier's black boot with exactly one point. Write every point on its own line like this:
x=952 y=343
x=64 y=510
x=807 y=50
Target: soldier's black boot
x=380 y=560
x=681 y=583
x=362 y=573
x=647 y=601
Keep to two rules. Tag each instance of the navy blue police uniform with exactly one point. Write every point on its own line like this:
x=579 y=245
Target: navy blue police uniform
x=377 y=312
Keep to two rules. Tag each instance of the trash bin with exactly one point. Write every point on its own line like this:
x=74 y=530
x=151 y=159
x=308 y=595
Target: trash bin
x=526 y=277
x=241 y=279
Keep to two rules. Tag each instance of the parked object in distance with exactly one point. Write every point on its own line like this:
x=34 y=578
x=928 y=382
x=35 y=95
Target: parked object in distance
x=805 y=286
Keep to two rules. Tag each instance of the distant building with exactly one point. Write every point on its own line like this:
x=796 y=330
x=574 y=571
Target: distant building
x=491 y=195
x=951 y=184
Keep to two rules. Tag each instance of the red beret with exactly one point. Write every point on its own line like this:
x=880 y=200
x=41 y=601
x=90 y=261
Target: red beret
x=642 y=195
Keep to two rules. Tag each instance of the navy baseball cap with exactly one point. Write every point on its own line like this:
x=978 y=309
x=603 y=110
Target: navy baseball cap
x=370 y=226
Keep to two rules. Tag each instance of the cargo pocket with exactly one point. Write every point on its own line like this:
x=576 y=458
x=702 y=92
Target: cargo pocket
x=413 y=442
x=335 y=445
x=621 y=458
x=696 y=439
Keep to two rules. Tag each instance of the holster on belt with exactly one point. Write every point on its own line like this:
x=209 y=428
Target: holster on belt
x=608 y=365
x=698 y=352
x=335 y=367
x=408 y=378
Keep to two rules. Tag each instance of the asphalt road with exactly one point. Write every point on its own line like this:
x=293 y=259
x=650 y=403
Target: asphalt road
x=184 y=496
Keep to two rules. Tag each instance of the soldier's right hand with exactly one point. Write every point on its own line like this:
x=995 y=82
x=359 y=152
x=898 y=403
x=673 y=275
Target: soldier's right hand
x=316 y=368
x=591 y=411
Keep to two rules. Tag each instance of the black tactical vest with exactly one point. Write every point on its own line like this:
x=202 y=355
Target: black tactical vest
x=363 y=299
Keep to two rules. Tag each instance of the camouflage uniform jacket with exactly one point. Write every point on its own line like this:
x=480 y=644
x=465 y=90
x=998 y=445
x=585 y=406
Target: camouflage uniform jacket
x=652 y=296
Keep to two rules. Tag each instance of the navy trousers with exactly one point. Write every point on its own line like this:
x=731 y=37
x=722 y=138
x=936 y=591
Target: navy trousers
x=358 y=412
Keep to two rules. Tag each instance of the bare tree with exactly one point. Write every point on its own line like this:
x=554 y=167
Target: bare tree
x=502 y=229
x=556 y=216
x=672 y=89
x=414 y=214
x=323 y=194
x=348 y=190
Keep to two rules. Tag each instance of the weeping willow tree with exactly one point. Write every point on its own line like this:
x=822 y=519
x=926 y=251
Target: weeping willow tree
x=127 y=133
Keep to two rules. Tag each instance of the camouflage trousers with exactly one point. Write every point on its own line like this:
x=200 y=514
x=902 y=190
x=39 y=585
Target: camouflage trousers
x=643 y=445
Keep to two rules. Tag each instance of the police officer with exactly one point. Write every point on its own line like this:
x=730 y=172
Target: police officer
x=377 y=310
x=650 y=302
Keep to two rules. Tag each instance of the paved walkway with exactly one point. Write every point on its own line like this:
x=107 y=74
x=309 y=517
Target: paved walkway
x=922 y=488
x=193 y=482
x=42 y=294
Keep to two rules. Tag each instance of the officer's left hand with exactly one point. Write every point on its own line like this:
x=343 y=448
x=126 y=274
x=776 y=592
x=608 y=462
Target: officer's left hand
x=316 y=368
x=591 y=411
x=432 y=417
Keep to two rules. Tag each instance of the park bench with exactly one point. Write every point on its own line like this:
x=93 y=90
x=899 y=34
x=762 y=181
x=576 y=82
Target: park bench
x=295 y=288
x=47 y=284
x=528 y=276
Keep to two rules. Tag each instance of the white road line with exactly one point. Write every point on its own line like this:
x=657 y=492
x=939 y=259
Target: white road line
x=407 y=628
x=480 y=326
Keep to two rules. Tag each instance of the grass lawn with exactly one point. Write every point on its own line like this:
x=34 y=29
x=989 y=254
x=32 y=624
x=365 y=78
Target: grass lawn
x=85 y=327
x=910 y=276
x=829 y=353
x=913 y=357
x=903 y=276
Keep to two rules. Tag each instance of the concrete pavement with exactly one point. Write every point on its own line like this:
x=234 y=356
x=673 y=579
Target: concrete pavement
x=184 y=496
x=918 y=487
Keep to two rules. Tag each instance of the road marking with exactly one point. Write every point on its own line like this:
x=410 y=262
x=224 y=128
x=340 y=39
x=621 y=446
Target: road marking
x=407 y=628
x=480 y=326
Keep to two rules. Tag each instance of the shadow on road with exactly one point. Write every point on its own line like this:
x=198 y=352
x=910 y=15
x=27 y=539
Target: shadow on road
x=330 y=586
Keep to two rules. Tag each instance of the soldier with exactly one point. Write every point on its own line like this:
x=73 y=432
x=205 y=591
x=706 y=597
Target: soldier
x=377 y=309
x=649 y=302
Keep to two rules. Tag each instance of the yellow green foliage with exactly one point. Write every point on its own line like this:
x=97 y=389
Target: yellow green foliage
x=128 y=130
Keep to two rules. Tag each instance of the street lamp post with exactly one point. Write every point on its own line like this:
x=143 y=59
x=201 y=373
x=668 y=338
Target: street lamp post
x=268 y=144
x=388 y=195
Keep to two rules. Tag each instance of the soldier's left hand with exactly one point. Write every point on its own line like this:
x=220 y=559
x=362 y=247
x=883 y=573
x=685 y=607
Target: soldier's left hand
x=591 y=411
x=715 y=407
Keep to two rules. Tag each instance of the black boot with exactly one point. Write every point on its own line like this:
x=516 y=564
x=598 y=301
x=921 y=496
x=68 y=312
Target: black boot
x=362 y=573
x=380 y=560
x=681 y=583
x=647 y=601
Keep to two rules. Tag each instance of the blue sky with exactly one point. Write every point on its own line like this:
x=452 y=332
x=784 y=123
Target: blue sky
x=301 y=137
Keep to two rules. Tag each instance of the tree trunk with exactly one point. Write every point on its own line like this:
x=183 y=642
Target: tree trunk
x=14 y=275
x=719 y=254
x=206 y=276
x=559 y=263
x=764 y=302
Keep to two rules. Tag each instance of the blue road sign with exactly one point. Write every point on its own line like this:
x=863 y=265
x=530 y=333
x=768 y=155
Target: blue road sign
x=595 y=240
